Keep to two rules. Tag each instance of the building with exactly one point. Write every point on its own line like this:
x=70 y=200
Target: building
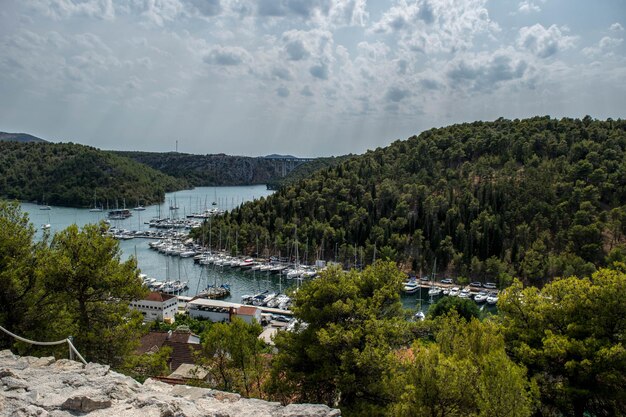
x=157 y=306
x=222 y=311
x=248 y=313
x=183 y=342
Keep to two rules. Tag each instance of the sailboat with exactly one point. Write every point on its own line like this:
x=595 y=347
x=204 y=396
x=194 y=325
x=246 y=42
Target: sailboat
x=174 y=206
x=139 y=207
x=44 y=206
x=46 y=226
x=95 y=208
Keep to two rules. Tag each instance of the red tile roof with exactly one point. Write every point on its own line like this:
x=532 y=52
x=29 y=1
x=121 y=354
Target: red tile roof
x=246 y=311
x=157 y=296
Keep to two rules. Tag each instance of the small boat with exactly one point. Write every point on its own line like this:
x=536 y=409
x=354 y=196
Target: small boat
x=45 y=208
x=465 y=293
x=492 y=299
x=481 y=297
x=45 y=226
x=454 y=292
x=139 y=208
x=434 y=291
x=411 y=286
x=420 y=316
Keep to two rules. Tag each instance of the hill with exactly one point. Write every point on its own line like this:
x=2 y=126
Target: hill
x=19 y=137
x=217 y=169
x=69 y=175
x=535 y=198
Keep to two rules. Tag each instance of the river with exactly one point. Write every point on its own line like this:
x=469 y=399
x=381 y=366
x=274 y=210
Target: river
x=163 y=267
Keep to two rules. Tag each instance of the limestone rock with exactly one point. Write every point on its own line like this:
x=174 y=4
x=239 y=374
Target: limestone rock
x=85 y=404
x=45 y=387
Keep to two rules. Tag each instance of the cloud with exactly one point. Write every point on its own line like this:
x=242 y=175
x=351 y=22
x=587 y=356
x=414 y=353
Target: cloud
x=62 y=9
x=319 y=71
x=320 y=13
x=605 y=45
x=300 y=45
x=436 y=26
x=227 y=56
x=543 y=42
x=486 y=71
x=306 y=91
x=529 y=6
x=396 y=94
x=282 y=73
x=206 y=7
x=282 y=92
x=616 y=27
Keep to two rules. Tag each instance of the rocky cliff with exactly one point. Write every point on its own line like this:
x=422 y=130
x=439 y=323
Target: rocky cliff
x=47 y=387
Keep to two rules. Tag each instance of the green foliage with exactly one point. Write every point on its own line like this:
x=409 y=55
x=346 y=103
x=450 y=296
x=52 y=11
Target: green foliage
x=464 y=307
x=197 y=326
x=535 y=198
x=147 y=365
x=92 y=288
x=68 y=174
x=465 y=373
x=353 y=322
x=233 y=353
x=570 y=335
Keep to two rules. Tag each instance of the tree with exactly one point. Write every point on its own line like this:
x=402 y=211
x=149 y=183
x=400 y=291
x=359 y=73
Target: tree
x=570 y=335
x=92 y=290
x=465 y=307
x=466 y=372
x=349 y=324
x=19 y=275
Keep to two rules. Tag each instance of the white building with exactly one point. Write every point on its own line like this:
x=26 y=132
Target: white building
x=222 y=311
x=214 y=310
x=157 y=306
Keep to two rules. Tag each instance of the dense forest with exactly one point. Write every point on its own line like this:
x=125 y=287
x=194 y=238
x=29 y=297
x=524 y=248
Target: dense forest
x=535 y=198
x=305 y=170
x=73 y=175
x=217 y=169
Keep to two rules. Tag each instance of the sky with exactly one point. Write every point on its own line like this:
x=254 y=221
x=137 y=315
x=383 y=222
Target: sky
x=302 y=77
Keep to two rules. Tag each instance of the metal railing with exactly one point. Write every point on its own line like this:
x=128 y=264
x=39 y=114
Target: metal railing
x=72 y=350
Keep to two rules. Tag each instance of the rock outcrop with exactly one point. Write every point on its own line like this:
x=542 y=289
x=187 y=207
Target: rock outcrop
x=56 y=388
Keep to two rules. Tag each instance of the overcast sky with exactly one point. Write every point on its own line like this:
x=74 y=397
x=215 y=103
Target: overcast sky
x=301 y=77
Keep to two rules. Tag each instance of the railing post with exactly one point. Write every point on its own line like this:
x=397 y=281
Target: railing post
x=69 y=345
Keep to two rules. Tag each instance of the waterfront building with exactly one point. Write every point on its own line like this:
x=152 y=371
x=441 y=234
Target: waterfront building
x=157 y=306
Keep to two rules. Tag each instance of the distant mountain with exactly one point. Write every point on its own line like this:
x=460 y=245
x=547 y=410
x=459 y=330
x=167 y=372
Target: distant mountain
x=19 y=137
x=220 y=169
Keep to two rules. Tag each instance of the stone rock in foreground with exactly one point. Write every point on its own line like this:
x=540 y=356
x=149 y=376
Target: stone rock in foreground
x=45 y=387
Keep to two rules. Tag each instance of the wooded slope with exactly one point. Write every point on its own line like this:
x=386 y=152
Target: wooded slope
x=535 y=198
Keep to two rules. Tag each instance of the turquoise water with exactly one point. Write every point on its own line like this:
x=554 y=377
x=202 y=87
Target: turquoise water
x=163 y=267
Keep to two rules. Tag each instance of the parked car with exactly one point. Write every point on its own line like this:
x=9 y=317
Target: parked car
x=447 y=281
x=424 y=278
x=476 y=284
x=491 y=285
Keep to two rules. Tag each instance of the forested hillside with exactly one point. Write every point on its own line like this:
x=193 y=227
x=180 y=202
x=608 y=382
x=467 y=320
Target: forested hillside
x=215 y=170
x=69 y=175
x=306 y=170
x=534 y=198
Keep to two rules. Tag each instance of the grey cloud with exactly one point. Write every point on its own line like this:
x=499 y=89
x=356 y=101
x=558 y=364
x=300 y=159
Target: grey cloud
x=396 y=94
x=306 y=91
x=485 y=72
x=319 y=71
x=282 y=92
x=207 y=7
x=401 y=66
x=227 y=56
x=282 y=73
x=430 y=84
x=426 y=12
x=544 y=42
x=296 y=50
